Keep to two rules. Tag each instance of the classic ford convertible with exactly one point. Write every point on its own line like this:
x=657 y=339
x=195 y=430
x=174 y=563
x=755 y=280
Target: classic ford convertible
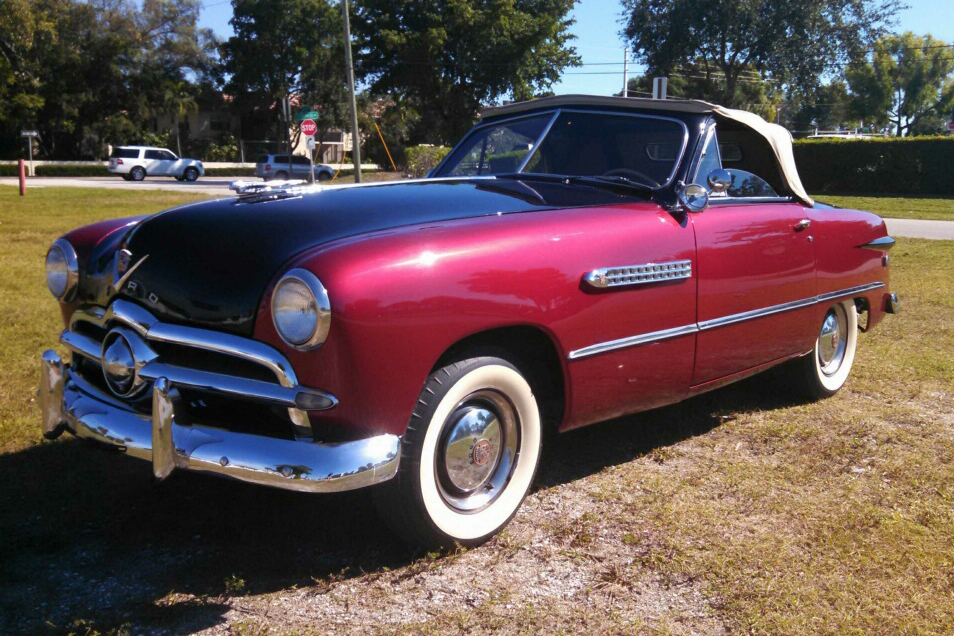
x=573 y=259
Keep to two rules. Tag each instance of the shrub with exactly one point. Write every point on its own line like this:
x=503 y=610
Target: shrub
x=59 y=171
x=423 y=159
x=905 y=165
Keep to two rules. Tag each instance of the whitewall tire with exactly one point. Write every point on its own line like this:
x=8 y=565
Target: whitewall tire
x=468 y=457
x=824 y=371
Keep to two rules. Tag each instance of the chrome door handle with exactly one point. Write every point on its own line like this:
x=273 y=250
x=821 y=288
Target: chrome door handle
x=801 y=225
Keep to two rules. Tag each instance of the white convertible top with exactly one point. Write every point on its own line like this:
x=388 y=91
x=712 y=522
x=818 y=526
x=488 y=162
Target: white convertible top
x=777 y=137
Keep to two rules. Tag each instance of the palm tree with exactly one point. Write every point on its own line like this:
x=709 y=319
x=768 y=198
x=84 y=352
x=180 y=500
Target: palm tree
x=178 y=101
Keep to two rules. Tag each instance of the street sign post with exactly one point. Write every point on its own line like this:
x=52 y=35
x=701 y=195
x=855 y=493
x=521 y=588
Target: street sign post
x=309 y=128
x=30 y=134
x=310 y=145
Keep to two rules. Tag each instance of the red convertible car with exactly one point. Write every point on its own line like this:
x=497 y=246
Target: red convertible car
x=573 y=259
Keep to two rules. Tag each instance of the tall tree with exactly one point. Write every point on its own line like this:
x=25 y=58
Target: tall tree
x=88 y=73
x=699 y=80
x=283 y=48
x=902 y=82
x=178 y=100
x=453 y=56
x=793 y=43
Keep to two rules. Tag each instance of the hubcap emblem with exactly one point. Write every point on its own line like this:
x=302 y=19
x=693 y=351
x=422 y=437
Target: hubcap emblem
x=122 y=354
x=482 y=452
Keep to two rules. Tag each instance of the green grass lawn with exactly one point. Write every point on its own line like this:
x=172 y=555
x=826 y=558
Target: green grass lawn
x=765 y=516
x=28 y=316
x=931 y=208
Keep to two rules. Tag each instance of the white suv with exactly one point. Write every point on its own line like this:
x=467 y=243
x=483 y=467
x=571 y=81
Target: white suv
x=133 y=163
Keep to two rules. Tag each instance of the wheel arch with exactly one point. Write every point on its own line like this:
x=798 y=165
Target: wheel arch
x=529 y=348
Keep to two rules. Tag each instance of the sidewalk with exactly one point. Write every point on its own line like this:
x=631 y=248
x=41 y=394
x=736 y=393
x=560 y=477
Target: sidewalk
x=915 y=228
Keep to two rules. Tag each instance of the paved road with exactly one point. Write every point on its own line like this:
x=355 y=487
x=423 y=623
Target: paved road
x=910 y=228
x=914 y=228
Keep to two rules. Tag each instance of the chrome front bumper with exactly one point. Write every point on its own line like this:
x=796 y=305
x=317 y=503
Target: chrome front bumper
x=68 y=402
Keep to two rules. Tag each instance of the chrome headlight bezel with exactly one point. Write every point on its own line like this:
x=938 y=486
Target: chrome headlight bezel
x=320 y=302
x=71 y=263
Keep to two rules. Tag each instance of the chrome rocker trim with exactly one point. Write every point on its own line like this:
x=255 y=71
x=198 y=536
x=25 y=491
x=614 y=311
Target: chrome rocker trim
x=69 y=402
x=705 y=325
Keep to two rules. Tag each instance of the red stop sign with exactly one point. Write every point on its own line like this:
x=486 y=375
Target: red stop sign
x=309 y=127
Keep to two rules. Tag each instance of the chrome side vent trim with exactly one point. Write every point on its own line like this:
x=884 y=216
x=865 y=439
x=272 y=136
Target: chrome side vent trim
x=639 y=274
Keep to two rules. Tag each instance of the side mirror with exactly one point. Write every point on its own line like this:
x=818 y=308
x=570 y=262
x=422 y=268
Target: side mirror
x=719 y=180
x=694 y=198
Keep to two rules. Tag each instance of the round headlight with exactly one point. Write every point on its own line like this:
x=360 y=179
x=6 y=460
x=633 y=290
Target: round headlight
x=62 y=270
x=300 y=309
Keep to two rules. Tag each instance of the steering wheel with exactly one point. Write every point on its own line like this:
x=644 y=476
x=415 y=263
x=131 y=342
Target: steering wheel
x=636 y=175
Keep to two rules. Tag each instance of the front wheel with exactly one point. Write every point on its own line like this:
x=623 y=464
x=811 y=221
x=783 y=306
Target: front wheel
x=190 y=174
x=468 y=457
x=825 y=370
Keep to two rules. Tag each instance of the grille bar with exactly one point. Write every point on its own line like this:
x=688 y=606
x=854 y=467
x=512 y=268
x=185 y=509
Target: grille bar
x=285 y=391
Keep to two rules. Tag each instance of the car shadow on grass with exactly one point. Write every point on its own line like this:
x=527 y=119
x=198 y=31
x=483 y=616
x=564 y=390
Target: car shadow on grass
x=90 y=543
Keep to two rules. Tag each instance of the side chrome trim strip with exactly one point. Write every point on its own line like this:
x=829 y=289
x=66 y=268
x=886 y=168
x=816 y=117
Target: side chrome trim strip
x=849 y=291
x=756 y=313
x=638 y=274
x=705 y=325
x=645 y=338
x=884 y=243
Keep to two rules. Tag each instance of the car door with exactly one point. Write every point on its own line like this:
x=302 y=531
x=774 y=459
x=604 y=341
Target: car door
x=171 y=164
x=756 y=263
x=153 y=162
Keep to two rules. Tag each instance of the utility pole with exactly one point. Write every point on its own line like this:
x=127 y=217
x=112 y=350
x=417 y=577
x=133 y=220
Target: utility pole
x=625 y=72
x=349 y=69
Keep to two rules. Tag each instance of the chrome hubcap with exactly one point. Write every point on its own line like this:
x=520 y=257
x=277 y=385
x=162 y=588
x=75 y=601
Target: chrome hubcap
x=477 y=451
x=833 y=340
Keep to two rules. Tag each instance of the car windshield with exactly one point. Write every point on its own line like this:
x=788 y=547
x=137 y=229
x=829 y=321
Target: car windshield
x=632 y=147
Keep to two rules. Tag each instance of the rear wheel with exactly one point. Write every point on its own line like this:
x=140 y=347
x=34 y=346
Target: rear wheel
x=137 y=173
x=190 y=174
x=468 y=457
x=823 y=372
x=281 y=175
x=126 y=177
x=324 y=176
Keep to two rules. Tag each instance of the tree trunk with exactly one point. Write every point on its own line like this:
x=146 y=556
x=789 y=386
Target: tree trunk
x=178 y=143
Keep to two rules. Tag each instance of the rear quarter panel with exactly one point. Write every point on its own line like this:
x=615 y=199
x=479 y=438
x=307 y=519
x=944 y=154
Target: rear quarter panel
x=840 y=261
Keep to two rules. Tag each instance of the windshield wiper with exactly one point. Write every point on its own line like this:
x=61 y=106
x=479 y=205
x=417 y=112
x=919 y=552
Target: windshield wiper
x=613 y=181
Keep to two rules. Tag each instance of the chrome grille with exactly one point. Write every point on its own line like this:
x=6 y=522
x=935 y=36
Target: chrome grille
x=639 y=274
x=198 y=360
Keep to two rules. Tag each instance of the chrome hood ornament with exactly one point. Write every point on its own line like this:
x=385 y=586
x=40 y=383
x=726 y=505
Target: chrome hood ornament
x=121 y=269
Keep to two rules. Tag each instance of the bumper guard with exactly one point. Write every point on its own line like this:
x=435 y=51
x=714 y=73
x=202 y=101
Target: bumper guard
x=68 y=402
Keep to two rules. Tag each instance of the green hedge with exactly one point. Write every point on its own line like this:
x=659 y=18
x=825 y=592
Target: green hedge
x=422 y=159
x=59 y=171
x=230 y=172
x=907 y=165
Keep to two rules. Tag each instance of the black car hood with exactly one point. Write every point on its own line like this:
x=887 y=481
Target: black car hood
x=209 y=263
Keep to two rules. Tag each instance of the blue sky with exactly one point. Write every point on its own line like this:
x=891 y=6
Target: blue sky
x=599 y=44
